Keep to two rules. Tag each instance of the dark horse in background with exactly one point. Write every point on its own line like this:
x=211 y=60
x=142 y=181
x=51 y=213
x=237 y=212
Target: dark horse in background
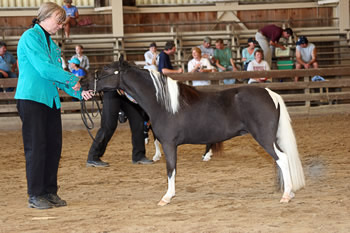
x=180 y=114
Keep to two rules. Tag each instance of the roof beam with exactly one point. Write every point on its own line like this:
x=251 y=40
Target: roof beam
x=220 y=7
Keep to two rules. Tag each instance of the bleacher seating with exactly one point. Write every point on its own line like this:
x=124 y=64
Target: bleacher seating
x=102 y=48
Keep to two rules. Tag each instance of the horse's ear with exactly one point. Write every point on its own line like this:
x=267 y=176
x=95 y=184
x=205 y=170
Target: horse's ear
x=121 y=58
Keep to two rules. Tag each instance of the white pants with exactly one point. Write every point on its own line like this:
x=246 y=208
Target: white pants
x=265 y=46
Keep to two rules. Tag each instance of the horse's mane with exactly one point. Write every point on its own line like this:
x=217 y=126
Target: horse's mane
x=172 y=94
x=169 y=93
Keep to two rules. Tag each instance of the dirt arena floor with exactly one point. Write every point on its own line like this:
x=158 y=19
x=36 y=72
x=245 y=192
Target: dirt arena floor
x=234 y=192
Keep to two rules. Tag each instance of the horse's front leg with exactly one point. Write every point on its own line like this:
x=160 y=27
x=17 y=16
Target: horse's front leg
x=171 y=158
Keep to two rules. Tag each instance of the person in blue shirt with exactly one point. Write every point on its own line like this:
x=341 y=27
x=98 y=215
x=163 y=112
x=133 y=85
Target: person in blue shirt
x=74 y=64
x=248 y=53
x=8 y=64
x=164 y=65
x=38 y=104
x=72 y=14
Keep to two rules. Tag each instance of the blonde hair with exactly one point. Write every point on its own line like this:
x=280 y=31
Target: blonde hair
x=48 y=8
x=198 y=50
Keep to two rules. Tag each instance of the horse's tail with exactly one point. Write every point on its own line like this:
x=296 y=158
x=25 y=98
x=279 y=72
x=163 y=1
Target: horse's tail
x=217 y=148
x=287 y=142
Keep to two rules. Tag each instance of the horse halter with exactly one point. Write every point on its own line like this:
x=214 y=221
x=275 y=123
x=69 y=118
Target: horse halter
x=99 y=78
x=85 y=116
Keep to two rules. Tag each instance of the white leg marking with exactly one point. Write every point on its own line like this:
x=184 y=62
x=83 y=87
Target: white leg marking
x=208 y=155
x=158 y=154
x=171 y=190
x=284 y=165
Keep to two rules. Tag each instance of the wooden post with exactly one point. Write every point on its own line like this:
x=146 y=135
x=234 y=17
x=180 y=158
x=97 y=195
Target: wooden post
x=118 y=24
x=117 y=18
x=343 y=13
x=307 y=91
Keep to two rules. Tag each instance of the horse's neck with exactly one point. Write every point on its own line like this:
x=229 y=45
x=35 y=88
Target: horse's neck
x=143 y=91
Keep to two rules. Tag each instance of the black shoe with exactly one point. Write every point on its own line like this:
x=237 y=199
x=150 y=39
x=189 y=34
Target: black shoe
x=144 y=160
x=55 y=200
x=39 y=202
x=96 y=163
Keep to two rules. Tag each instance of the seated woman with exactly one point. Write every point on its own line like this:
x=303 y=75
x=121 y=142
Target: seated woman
x=258 y=64
x=199 y=64
x=248 y=53
x=72 y=16
x=152 y=57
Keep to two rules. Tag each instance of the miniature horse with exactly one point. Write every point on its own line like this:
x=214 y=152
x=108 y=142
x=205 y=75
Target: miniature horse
x=180 y=114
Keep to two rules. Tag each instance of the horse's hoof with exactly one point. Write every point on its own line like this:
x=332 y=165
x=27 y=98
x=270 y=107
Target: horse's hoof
x=163 y=203
x=287 y=197
x=155 y=158
x=206 y=158
x=284 y=200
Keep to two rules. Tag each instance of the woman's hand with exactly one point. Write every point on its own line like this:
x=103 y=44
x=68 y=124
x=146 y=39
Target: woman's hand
x=76 y=86
x=87 y=94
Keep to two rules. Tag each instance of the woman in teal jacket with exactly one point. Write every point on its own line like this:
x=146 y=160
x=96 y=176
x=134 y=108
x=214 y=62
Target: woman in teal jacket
x=38 y=103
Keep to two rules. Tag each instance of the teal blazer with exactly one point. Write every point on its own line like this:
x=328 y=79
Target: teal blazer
x=40 y=70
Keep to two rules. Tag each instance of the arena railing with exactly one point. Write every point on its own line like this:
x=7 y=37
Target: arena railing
x=302 y=98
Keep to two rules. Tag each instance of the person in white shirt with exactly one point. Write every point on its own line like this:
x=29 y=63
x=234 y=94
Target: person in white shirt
x=152 y=57
x=305 y=55
x=199 y=64
x=258 y=64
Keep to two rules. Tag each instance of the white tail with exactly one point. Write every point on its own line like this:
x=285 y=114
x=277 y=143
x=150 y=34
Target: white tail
x=286 y=141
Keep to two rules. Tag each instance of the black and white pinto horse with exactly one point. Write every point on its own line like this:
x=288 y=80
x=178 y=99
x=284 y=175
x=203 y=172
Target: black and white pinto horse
x=180 y=114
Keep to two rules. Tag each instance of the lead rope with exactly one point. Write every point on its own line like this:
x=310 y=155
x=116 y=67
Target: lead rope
x=88 y=118
x=85 y=116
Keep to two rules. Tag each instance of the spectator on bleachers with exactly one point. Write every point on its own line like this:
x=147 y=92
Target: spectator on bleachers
x=74 y=65
x=8 y=64
x=152 y=57
x=248 y=53
x=305 y=55
x=224 y=61
x=72 y=14
x=164 y=65
x=269 y=36
x=258 y=64
x=207 y=50
x=84 y=60
x=199 y=64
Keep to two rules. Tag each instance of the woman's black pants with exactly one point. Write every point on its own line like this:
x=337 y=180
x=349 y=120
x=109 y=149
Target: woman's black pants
x=42 y=140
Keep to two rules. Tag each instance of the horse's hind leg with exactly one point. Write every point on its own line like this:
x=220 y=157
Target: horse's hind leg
x=171 y=158
x=283 y=163
x=266 y=137
x=157 y=154
x=208 y=153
